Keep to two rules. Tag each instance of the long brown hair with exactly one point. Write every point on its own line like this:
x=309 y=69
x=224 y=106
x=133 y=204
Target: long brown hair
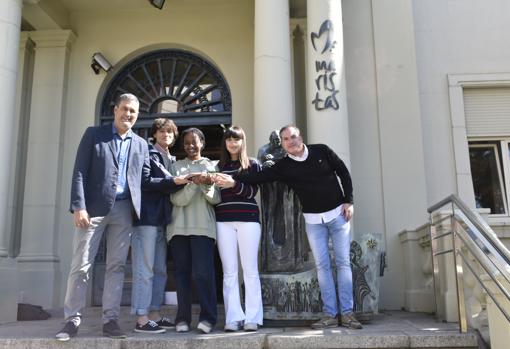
x=235 y=132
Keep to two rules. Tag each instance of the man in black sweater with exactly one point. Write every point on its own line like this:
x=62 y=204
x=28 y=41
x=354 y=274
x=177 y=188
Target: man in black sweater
x=312 y=172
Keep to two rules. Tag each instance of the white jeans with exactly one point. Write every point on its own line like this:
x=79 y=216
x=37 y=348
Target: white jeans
x=246 y=235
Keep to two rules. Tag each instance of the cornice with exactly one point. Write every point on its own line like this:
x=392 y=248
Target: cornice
x=52 y=38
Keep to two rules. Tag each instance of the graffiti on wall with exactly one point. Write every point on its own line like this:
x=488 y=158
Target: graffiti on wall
x=326 y=90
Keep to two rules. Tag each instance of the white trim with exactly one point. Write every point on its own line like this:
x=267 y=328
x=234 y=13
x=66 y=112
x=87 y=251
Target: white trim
x=505 y=152
x=503 y=187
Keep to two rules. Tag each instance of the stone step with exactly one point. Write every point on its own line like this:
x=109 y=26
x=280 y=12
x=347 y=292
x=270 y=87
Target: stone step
x=288 y=339
x=387 y=330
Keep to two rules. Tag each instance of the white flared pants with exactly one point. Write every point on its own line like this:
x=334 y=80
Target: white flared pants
x=244 y=236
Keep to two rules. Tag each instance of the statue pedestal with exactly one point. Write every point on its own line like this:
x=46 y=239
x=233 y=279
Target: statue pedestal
x=293 y=298
x=291 y=295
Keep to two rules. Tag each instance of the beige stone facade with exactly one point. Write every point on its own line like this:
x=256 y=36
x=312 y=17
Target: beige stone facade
x=402 y=69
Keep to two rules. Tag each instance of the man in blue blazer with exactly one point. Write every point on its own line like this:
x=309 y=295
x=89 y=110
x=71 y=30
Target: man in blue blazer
x=111 y=164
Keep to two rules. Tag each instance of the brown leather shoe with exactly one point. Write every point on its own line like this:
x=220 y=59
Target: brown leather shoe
x=326 y=321
x=349 y=320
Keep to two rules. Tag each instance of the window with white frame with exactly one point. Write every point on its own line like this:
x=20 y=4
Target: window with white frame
x=487 y=112
x=480 y=119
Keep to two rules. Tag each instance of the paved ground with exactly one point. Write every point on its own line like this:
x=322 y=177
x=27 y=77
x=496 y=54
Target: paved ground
x=387 y=330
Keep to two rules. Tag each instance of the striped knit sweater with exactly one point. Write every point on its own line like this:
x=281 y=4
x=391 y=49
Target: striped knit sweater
x=238 y=203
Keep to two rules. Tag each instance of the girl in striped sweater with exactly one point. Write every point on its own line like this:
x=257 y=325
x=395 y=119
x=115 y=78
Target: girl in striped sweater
x=238 y=227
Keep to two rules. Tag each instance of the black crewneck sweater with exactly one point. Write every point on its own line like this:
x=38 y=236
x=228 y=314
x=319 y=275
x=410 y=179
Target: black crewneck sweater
x=314 y=180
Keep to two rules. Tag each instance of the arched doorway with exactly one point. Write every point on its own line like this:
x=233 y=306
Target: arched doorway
x=179 y=85
x=176 y=84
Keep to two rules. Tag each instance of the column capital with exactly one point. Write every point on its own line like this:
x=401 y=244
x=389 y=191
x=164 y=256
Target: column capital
x=25 y=40
x=295 y=22
x=53 y=38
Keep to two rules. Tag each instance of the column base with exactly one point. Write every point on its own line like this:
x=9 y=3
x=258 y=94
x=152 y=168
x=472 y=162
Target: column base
x=450 y=307
x=39 y=280
x=419 y=301
x=8 y=290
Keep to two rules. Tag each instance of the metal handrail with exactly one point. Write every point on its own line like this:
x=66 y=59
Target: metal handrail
x=482 y=243
x=475 y=218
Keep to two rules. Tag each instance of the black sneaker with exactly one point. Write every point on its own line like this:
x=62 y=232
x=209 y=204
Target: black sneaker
x=165 y=322
x=149 y=327
x=111 y=329
x=69 y=330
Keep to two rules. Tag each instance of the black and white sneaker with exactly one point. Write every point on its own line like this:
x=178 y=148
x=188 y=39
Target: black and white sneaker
x=70 y=330
x=149 y=327
x=165 y=322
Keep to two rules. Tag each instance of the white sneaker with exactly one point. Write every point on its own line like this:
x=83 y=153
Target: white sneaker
x=251 y=326
x=204 y=326
x=182 y=327
x=233 y=326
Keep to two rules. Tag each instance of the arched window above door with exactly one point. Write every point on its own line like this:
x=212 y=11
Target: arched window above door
x=171 y=83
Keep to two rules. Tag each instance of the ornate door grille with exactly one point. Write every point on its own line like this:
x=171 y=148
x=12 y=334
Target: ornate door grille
x=193 y=88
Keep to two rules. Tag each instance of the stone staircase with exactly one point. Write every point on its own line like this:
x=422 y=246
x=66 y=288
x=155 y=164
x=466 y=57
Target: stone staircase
x=390 y=329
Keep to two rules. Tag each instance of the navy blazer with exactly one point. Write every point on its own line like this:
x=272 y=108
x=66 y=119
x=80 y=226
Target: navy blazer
x=95 y=173
x=156 y=205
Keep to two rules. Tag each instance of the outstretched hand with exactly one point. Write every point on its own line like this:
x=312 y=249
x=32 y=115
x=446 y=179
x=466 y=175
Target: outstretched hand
x=224 y=180
x=180 y=180
x=200 y=178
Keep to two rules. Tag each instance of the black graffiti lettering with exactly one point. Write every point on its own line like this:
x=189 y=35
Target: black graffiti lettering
x=317 y=102
x=327 y=82
x=324 y=81
x=330 y=102
x=323 y=65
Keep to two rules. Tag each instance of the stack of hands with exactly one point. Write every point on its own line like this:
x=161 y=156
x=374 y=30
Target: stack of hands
x=222 y=180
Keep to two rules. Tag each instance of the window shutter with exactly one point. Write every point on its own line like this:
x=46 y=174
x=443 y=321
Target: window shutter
x=487 y=111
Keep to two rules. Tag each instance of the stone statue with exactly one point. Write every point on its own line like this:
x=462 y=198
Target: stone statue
x=271 y=152
x=284 y=244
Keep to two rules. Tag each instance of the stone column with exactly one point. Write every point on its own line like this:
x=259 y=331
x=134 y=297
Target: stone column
x=20 y=140
x=272 y=71
x=38 y=261
x=10 y=21
x=326 y=89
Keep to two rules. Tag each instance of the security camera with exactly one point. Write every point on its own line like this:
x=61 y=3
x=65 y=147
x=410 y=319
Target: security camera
x=157 y=3
x=99 y=62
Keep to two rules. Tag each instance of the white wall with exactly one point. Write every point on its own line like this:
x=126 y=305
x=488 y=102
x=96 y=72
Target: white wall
x=221 y=31
x=385 y=129
x=453 y=37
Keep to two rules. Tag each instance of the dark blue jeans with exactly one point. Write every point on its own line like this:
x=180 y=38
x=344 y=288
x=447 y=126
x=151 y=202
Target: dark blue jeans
x=194 y=257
